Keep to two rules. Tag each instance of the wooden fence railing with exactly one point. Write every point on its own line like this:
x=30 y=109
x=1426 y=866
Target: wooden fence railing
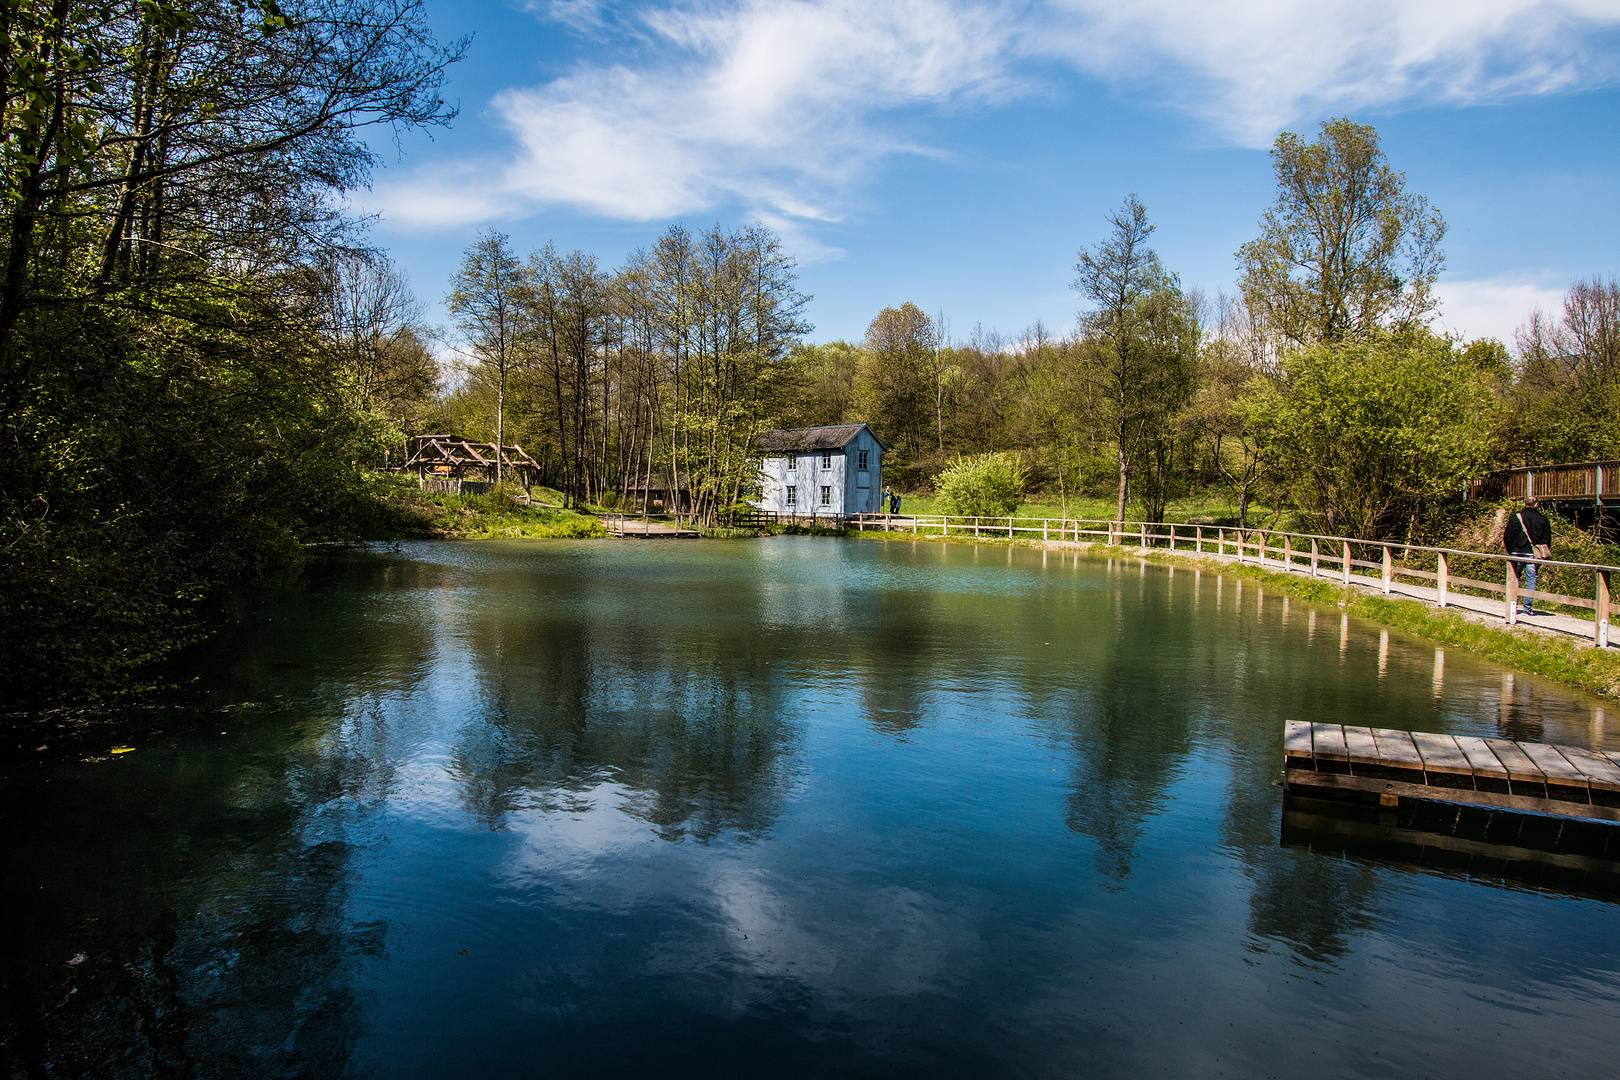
x=1594 y=481
x=1338 y=557
x=756 y=519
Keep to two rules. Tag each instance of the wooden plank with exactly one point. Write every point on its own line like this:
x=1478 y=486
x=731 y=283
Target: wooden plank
x=1359 y=742
x=1440 y=754
x=1327 y=740
x=1304 y=781
x=1296 y=738
x=1396 y=749
x=1600 y=772
x=1518 y=765
x=1554 y=764
x=1480 y=758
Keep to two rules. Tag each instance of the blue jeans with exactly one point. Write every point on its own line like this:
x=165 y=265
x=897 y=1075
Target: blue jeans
x=1527 y=580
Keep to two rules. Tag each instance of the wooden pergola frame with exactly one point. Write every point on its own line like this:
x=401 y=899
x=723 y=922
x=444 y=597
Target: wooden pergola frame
x=454 y=455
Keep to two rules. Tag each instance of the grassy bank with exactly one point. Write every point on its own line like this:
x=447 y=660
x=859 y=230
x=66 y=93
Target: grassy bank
x=1566 y=659
x=428 y=514
x=1569 y=660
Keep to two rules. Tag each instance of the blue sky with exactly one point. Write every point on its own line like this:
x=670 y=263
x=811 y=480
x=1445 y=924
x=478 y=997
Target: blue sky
x=958 y=154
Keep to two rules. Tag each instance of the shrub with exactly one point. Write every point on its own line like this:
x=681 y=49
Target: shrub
x=989 y=485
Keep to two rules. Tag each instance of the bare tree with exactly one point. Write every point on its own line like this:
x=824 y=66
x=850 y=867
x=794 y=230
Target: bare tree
x=374 y=328
x=1136 y=330
x=488 y=297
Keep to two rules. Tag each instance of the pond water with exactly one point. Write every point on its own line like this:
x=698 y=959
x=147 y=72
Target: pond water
x=784 y=807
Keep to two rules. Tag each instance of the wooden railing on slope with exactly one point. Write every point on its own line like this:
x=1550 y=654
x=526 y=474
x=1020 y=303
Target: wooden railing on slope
x=1593 y=481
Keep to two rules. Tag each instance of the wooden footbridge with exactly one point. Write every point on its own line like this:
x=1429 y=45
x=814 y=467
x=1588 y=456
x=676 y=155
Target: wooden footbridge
x=646 y=529
x=1385 y=767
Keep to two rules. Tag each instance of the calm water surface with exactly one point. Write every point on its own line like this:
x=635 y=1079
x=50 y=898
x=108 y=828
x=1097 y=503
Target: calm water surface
x=787 y=807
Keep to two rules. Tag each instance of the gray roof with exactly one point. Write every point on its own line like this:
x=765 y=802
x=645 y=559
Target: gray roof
x=797 y=440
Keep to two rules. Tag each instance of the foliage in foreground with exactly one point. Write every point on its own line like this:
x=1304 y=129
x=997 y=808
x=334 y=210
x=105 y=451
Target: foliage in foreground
x=174 y=414
x=1371 y=434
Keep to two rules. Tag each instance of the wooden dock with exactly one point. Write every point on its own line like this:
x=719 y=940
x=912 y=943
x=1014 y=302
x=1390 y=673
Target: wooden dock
x=1386 y=767
x=644 y=529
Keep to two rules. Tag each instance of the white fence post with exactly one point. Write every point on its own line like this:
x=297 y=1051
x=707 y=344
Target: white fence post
x=1600 y=619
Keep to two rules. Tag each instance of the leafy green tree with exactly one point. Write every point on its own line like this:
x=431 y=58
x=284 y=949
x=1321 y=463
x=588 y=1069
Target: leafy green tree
x=1364 y=437
x=895 y=390
x=823 y=384
x=1140 y=348
x=1345 y=251
x=173 y=411
x=988 y=485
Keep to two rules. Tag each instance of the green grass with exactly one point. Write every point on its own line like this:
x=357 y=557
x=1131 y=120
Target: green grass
x=484 y=517
x=1566 y=659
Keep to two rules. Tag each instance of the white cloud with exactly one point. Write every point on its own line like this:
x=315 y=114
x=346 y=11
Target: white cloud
x=1494 y=307
x=784 y=106
x=1252 y=68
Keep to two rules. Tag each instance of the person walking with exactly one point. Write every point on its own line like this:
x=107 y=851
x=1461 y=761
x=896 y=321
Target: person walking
x=1528 y=534
x=894 y=501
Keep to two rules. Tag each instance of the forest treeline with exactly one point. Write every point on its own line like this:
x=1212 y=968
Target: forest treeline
x=1318 y=389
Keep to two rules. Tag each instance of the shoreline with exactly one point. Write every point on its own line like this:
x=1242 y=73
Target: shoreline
x=1526 y=647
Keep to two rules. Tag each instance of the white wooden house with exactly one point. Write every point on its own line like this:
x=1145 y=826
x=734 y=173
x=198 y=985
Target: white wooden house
x=822 y=471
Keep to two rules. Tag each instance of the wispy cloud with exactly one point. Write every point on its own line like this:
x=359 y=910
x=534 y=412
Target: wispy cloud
x=778 y=106
x=1495 y=307
x=785 y=106
x=1252 y=67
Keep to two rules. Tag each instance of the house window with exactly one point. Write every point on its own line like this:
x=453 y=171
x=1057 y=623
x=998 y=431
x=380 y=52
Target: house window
x=793 y=496
x=862 y=463
x=826 y=459
x=793 y=461
x=826 y=495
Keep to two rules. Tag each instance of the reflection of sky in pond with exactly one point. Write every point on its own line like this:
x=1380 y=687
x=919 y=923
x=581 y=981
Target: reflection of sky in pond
x=796 y=805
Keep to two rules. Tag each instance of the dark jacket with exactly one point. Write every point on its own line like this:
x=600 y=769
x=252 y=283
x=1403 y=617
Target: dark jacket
x=1514 y=538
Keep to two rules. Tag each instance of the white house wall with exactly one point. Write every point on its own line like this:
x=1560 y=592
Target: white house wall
x=847 y=496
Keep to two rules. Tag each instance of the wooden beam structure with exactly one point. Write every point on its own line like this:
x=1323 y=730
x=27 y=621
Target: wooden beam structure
x=1383 y=766
x=449 y=457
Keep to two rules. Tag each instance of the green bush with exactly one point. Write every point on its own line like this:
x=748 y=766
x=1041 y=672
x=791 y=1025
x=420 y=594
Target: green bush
x=989 y=485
